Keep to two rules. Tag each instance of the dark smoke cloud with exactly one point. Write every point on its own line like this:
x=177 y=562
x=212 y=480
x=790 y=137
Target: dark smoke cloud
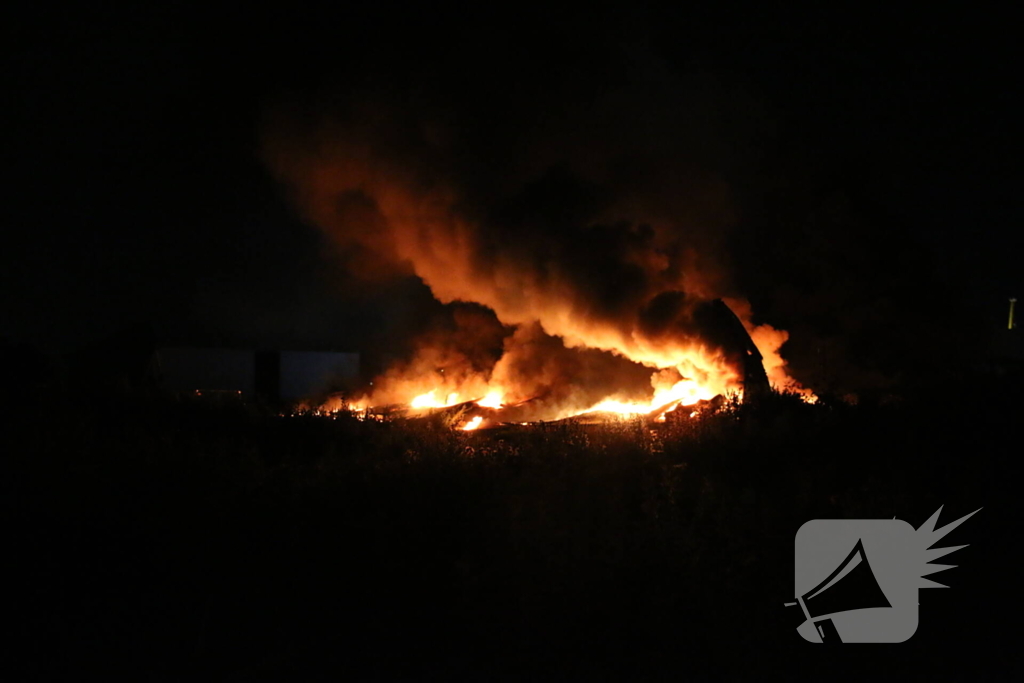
x=586 y=211
x=543 y=165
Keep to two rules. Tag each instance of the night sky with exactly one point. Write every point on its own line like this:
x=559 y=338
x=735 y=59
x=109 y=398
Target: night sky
x=872 y=161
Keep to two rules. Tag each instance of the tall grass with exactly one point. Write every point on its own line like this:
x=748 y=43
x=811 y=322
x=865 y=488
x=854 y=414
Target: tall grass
x=173 y=537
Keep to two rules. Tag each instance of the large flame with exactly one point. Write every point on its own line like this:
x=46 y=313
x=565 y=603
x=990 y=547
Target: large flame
x=492 y=400
x=681 y=376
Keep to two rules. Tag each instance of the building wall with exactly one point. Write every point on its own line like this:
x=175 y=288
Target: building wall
x=184 y=369
x=276 y=375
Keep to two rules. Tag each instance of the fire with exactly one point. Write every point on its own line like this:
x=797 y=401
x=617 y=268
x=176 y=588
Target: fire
x=474 y=423
x=667 y=397
x=555 y=304
x=680 y=377
x=430 y=400
x=613 y=406
x=685 y=392
x=491 y=400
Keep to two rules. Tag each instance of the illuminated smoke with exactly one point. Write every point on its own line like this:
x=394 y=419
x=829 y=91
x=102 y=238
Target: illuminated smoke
x=593 y=280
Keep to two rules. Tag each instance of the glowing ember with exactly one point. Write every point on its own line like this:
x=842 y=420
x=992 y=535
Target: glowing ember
x=474 y=423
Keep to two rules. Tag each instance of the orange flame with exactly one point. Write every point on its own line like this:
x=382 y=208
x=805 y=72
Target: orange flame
x=410 y=224
x=474 y=423
x=492 y=400
x=431 y=400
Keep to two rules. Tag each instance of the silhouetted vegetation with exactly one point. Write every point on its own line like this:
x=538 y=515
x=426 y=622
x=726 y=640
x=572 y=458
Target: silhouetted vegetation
x=173 y=539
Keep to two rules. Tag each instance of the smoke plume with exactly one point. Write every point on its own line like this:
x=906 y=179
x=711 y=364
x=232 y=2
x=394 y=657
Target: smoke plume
x=592 y=233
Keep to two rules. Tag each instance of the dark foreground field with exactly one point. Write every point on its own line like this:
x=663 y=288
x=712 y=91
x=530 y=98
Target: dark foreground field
x=159 y=541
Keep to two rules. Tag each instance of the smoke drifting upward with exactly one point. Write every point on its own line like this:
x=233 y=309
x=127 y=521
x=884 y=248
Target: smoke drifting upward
x=592 y=247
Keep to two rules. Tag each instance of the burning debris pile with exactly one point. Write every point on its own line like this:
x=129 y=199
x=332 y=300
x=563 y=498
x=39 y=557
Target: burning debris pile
x=477 y=415
x=567 y=288
x=675 y=396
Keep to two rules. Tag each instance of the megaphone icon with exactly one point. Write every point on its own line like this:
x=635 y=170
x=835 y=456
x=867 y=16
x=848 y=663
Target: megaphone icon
x=851 y=595
x=852 y=586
